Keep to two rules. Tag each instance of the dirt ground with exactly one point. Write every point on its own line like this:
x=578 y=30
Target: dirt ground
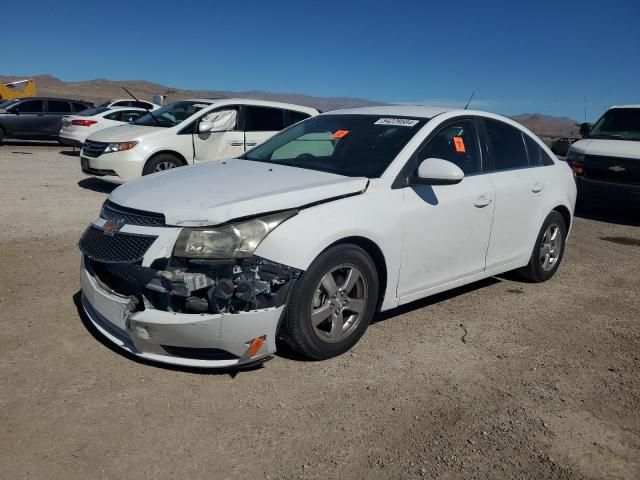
x=545 y=383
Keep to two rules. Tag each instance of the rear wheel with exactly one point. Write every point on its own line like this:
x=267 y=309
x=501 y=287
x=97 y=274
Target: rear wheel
x=160 y=163
x=333 y=302
x=548 y=250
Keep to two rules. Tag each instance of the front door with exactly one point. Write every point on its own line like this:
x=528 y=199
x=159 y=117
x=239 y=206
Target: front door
x=224 y=140
x=26 y=118
x=446 y=228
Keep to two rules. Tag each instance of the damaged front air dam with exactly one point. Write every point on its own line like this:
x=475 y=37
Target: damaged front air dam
x=199 y=285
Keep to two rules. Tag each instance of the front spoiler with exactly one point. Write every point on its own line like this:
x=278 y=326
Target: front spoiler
x=148 y=333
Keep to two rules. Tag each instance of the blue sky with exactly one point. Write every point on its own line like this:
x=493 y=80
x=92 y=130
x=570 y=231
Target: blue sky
x=535 y=56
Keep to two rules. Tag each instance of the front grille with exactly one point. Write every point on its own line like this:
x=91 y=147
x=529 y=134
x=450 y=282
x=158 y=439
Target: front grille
x=612 y=169
x=131 y=216
x=117 y=248
x=93 y=149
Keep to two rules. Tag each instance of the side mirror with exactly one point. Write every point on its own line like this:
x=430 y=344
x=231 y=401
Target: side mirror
x=435 y=171
x=585 y=128
x=205 y=127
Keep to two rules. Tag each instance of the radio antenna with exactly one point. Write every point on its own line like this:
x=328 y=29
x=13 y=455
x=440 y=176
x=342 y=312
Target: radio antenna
x=469 y=101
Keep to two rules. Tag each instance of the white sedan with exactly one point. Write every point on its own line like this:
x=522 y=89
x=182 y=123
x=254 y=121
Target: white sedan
x=76 y=128
x=307 y=236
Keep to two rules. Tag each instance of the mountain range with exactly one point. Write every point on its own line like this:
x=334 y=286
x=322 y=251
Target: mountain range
x=101 y=89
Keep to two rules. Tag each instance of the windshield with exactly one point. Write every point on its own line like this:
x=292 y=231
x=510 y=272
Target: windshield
x=350 y=145
x=89 y=112
x=619 y=124
x=8 y=103
x=104 y=104
x=171 y=115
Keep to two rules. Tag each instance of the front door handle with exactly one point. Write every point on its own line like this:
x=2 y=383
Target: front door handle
x=482 y=201
x=236 y=144
x=251 y=144
x=537 y=187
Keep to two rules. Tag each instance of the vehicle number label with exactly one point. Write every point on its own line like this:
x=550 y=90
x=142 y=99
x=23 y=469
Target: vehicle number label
x=397 y=122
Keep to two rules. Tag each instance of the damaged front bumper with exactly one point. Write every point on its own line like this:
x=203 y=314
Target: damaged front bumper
x=196 y=316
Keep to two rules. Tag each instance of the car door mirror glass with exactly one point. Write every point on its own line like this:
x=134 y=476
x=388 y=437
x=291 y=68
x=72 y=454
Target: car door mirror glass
x=585 y=128
x=436 y=171
x=204 y=127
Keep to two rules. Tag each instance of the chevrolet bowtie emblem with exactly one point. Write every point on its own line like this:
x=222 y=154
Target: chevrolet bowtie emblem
x=617 y=168
x=112 y=226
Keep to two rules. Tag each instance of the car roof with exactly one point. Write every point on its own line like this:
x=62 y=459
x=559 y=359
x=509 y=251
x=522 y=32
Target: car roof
x=637 y=105
x=420 y=111
x=53 y=98
x=255 y=101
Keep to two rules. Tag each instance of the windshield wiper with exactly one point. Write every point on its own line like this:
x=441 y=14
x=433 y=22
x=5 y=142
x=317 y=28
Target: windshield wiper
x=145 y=107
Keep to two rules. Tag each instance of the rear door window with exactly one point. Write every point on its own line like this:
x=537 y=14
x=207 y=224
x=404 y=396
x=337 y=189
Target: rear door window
x=58 y=106
x=263 y=119
x=506 y=146
x=30 y=106
x=295 y=117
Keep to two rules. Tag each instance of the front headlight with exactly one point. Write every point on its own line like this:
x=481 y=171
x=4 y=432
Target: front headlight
x=119 y=147
x=233 y=241
x=573 y=156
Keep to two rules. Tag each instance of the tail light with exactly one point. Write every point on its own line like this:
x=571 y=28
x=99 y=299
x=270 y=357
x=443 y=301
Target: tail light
x=83 y=123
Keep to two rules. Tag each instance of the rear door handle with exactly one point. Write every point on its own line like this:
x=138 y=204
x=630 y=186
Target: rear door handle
x=482 y=201
x=537 y=187
x=251 y=144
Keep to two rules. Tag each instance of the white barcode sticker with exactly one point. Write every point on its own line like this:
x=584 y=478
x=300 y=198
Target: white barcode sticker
x=397 y=122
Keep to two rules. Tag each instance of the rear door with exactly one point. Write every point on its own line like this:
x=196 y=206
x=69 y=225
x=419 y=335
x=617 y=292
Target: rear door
x=52 y=123
x=261 y=123
x=520 y=193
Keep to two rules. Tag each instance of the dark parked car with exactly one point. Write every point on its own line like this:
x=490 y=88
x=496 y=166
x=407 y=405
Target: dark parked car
x=36 y=117
x=561 y=145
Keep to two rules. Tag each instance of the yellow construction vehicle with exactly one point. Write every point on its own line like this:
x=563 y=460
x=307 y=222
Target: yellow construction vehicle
x=19 y=89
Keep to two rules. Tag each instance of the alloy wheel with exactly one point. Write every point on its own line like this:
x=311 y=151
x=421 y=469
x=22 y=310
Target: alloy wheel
x=339 y=303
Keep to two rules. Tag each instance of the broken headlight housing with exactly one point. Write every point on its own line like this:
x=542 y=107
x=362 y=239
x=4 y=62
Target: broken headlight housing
x=237 y=240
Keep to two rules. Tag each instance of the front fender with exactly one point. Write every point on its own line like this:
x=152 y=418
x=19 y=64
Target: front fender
x=372 y=215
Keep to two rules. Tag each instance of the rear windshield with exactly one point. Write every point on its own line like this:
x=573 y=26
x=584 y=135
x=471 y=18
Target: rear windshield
x=350 y=145
x=171 y=115
x=89 y=112
x=618 y=124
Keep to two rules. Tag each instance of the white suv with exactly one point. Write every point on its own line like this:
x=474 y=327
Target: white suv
x=185 y=132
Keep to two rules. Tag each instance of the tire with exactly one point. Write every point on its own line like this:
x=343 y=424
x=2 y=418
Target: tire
x=312 y=293
x=161 y=162
x=548 y=250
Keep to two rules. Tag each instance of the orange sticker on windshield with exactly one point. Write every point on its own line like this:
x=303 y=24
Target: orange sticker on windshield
x=458 y=142
x=340 y=134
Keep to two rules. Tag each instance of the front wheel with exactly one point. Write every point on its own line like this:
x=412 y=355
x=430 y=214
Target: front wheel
x=332 y=303
x=548 y=250
x=160 y=163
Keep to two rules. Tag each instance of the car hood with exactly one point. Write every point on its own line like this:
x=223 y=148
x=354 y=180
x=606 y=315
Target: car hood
x=608 y=148
x=212 y=193
x=123 y=133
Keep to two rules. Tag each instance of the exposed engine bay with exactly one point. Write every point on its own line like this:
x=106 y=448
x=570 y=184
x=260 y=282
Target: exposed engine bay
x=198 y=285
